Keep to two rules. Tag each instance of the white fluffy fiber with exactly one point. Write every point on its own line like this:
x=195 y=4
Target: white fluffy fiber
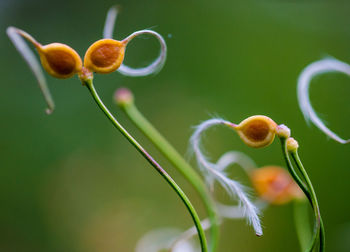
x=152 y=68
x=214 y=172
x=18 y=41
x=317 y=68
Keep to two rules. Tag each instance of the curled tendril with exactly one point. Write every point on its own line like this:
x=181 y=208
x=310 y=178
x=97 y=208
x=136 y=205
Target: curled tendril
x=176 y=242
x=152 y=68
x=110 y=22
x=163 y=239
x=16 y=36
x=317 y=68
x=212 y=172
x=248 y=165
x=103 y=56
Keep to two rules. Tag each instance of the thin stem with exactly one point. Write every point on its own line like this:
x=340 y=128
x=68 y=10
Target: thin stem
x=89 y=84
x=305 y=189
x=292 y=171
x=302 y=223
x=179 y=162
x=301 y=168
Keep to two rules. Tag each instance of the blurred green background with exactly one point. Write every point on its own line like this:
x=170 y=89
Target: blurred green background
x=70 y=182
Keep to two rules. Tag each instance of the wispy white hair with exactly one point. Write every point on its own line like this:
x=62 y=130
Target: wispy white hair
x=185 y=237
x=152 y=68
x=225 y=211
x=163 y=239
x=213 y=172
x=248 y=165
x=316 y=68
x=172 y=240
x=16 y=36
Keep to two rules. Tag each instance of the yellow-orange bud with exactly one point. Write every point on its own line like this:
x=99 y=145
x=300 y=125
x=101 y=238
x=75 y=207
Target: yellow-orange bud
x=292 y=144
x=283 y=131
x=257 y=131
x=59 y=60
x=275 y=185
x=104 y=56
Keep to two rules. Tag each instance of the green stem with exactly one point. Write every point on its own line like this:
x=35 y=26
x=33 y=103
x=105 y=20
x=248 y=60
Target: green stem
x=305 y=189
x=179 y=162
x=302 y=170
x=291 y=169
x=301 y=220
x=89 y=84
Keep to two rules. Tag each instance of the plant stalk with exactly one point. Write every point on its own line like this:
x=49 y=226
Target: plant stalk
x=302 y=170
x=306 y=190
x=179 y=162
x=89 y=84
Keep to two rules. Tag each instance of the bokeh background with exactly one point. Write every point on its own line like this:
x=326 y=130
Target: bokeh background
x=70 y=182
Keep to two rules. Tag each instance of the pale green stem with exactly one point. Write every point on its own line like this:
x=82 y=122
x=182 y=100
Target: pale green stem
x=89 y=84
x=291 y=169
x=302 y=170
x=179 y=162
x=302 y=223
x=305 y=189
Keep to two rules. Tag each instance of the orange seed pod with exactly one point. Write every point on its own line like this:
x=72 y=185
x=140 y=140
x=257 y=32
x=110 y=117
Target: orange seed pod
x=275 y=185
x=257 y=131
x=104 y=56
x=59 y=60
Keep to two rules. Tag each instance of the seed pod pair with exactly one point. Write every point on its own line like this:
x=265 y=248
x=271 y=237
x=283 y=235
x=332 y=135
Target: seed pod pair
x=62 y=61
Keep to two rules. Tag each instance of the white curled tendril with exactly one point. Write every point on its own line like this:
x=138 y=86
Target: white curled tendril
x=152 y=68
x=317 y=68
x=16 y=36
x=163 y=239
x=213 y=172
x=169 y=240
x=248 y=165
x=225 y=211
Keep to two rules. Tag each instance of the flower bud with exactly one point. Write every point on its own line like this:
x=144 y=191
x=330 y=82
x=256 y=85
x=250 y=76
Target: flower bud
x=292 y=144
x=59 y=60
x=104 y=56
x=257 y=131
x=123 y=97
x=275 y=185
x=283 y=131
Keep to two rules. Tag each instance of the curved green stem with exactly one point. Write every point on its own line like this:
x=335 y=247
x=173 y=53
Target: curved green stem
x=179 y=162
x=305 y=189
x=89 y=84
x=302 y=170
x=291 y=169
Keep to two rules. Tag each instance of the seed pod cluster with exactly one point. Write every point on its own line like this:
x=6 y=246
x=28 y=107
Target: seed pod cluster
x=62 y=61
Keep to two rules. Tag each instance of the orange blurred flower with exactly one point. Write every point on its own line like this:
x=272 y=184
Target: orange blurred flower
x=275 y=185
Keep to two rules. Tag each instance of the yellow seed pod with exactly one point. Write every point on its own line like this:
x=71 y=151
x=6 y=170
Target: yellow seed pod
x=257 y=131
x=59 y=60
x=275 y=185
x=104 y=56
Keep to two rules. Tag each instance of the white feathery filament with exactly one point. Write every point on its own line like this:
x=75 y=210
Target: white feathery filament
x=152 y=68
x=213 y=171
x=317 y=68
